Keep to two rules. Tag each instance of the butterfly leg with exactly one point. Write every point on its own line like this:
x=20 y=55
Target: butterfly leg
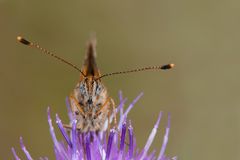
x=108 y=127
x=79 y=108
x=112 y=105
x=76 y=109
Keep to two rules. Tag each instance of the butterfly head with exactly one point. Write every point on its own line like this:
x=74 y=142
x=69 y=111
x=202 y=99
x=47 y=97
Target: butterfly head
x=90 y=92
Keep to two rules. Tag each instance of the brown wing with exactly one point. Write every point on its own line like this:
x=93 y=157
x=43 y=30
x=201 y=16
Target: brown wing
x=90 y=66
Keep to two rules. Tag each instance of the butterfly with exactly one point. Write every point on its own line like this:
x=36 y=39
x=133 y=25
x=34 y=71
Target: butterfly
x=90 y=103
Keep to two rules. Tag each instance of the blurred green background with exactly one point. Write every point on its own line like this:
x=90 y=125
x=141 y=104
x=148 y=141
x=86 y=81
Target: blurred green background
x=201 y=93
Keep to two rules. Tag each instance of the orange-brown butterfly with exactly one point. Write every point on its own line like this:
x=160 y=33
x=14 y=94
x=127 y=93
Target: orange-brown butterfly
x=90 y=102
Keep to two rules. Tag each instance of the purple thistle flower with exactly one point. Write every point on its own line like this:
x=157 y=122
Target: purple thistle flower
x=101 y=146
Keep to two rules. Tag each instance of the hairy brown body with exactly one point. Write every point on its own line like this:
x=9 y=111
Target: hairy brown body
x=90 y=101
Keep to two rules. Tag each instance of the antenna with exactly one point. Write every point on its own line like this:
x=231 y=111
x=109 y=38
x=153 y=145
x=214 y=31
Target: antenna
x=162 y=67
x=31 y=44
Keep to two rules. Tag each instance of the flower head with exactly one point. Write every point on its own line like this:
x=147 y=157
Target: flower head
x=118 y=143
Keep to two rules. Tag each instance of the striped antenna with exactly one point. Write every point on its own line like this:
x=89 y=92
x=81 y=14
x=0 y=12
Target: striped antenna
x=162 y=67
x=31 y=44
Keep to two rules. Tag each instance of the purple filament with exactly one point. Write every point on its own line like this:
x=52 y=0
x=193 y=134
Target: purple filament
x=62 y=130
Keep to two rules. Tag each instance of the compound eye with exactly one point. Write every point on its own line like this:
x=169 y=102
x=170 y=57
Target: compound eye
x=82 y=89
x=98 y=89
x=76 y=112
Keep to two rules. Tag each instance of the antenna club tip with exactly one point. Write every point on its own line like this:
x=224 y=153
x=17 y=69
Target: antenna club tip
x=19 y=38
x=23 y=41
x=172 y=65
x=168 y=66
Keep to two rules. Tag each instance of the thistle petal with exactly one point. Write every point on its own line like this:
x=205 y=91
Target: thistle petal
x=70 y=115
x=25 y=150
x=59 y=149
x=88 y=150
x=128 y=110
x=15 y=154
x=130 y=149
x=165 y=140
x=63 y=131
x=122 y=140
x=99 y=146
x=151 y=137
x=74 y=140
x=109 y=145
